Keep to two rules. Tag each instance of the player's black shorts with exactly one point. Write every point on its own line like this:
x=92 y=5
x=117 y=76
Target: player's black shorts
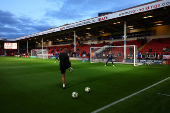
x=63 y=70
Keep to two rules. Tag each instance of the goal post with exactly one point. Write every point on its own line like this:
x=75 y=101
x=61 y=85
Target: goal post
x=99 y=54
x=40 y=53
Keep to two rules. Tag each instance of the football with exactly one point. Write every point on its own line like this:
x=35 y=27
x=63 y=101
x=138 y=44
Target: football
x=74 y=95
x=71 y=69
x=87 y=90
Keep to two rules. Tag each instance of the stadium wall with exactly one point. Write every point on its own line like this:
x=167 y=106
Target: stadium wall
x=49 y=43
x=44 y=44
x=161 y=32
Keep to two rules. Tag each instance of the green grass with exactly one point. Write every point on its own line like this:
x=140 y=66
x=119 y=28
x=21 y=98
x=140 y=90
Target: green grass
x=34 y=86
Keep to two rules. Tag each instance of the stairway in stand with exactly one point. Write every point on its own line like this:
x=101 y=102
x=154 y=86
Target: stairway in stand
x=141 y=47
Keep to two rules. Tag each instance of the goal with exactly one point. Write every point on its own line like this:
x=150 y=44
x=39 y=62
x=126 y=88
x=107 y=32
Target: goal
x=99 y=54
x=40 y=53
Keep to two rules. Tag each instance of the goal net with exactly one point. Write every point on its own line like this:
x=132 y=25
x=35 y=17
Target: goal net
x=99 y=54
x=40 y=53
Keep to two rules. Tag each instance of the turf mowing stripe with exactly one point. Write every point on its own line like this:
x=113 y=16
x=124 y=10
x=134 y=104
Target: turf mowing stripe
x=111 y=104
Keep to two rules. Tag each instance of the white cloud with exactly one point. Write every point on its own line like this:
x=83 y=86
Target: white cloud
x=32 y=8
x=30 y=16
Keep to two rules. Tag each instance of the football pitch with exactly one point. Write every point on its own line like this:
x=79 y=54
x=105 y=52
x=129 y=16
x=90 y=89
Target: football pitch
x=35 y=86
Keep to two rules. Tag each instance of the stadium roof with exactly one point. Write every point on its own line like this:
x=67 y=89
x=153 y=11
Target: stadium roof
x=143 y=16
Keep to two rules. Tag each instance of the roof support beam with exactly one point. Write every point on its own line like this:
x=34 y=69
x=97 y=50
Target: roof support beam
x=42 y=45
x=27 y=46
x=124 y=39
x=74 y=41
x=18 y=46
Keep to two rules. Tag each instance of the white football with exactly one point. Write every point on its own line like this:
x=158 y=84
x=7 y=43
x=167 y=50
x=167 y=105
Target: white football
x=74 y=95
x=87 y=89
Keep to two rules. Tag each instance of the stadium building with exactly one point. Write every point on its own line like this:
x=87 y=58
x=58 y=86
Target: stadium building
x=146 y=26
x=34 y=85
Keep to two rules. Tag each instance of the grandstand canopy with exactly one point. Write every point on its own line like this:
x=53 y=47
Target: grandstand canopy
x=143 y=16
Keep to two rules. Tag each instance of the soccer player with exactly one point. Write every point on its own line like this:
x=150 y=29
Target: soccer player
x=109 y=58
x=56 y=57
x=64 y=64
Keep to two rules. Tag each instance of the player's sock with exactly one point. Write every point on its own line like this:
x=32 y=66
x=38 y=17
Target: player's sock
x=113 y=64
x=63 y=85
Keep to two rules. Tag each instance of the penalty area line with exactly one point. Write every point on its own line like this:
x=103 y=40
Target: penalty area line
x=113 y=103
x=163 y=94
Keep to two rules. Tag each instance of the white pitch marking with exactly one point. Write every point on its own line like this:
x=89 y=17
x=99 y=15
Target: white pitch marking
x=163 y=94
x=111 y=104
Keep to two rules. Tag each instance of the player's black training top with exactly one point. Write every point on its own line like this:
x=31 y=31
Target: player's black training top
x=64 y=60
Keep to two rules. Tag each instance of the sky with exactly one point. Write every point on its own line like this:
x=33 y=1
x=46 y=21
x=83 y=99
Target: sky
x=23 y=17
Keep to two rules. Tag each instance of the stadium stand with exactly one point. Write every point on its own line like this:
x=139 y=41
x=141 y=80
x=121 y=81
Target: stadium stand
x=86 y=47
x=157 y=45
x=1 y=52
x=131 y=42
